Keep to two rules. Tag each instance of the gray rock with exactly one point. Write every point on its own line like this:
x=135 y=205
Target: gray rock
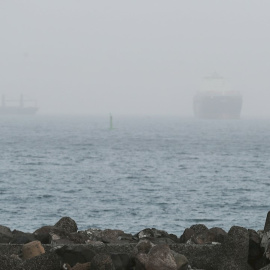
x=67 y=224
x=236 y=247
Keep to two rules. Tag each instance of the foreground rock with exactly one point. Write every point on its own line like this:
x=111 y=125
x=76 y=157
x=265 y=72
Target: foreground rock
x=62 y=246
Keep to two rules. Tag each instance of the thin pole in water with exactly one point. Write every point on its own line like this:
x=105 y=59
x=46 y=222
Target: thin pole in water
x=111 y=122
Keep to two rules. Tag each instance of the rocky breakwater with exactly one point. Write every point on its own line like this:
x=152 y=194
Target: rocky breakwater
x=62 y=246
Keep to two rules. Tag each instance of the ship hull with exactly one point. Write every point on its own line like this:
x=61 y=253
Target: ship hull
x=217 y=107
x=18 y=111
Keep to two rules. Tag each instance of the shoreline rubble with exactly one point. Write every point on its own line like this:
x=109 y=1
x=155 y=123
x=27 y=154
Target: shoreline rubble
x=62 y=246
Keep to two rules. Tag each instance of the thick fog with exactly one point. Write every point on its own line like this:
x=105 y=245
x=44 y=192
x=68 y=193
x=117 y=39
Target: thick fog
x=133 y=57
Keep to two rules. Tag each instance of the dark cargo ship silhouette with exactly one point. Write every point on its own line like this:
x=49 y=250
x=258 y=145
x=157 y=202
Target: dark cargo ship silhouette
x=18 y=108
x=216 y=100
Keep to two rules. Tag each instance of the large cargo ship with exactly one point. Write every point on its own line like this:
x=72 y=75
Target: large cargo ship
x=216 y=100
x=17 y=107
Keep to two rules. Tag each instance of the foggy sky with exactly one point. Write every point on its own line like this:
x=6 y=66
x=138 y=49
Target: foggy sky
x=133 y=57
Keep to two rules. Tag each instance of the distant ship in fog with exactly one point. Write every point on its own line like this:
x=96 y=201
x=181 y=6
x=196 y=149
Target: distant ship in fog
x=17 y=107
x=216 y=100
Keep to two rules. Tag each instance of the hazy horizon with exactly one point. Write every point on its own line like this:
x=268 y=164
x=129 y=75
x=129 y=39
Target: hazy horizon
x=128 y=58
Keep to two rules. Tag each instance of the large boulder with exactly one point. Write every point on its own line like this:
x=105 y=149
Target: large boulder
x=67 y=224
x=235 y=248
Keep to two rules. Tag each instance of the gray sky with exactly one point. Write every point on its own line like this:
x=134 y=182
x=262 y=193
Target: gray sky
x=133 y=57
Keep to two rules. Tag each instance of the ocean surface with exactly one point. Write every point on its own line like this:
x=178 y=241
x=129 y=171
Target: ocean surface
x=148 y=172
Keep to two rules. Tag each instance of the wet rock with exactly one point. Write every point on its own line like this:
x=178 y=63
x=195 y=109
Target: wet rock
x=67 y=224
x=267 y=223
x=75 y=254
x=159 y=257
x=5 y=234
x=102 y=262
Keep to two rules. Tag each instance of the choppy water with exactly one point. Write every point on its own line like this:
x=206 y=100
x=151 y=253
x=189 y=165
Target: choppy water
x=168 y=173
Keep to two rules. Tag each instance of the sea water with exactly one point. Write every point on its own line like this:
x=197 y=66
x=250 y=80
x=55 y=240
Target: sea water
x=147 y=172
